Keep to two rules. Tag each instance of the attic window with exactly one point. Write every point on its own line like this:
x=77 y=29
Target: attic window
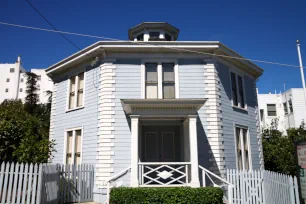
x=168 y=37
x=154 y=35
x=140 y=37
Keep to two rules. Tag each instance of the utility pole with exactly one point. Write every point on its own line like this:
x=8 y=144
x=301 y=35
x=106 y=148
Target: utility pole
x=301 y=67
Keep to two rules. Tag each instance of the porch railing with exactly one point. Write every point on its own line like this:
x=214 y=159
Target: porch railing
x=226 y=186
x=164 y=173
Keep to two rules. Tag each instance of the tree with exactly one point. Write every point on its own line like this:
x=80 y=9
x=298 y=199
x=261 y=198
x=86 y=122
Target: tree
x=279 y=150
x=32 y=97
x=23 y=137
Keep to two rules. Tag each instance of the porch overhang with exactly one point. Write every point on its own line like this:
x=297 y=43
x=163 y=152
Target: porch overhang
x=162 y=107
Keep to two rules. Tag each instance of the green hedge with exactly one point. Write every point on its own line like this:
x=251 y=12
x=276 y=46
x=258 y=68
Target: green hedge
x=208 y=195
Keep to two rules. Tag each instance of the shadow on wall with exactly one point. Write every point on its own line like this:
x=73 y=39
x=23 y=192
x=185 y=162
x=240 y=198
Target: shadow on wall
x=205 y=155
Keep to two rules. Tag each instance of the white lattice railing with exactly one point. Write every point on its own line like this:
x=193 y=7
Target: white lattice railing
x=225 y=185
x=164 y=173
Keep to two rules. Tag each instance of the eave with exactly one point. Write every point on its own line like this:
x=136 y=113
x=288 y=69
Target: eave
x=162 y=107
x=100 y=48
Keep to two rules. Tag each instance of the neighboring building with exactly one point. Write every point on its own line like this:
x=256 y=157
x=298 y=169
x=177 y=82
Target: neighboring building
x=152 y=103
x=288 y=108
x=13 y=82
x=9 y=80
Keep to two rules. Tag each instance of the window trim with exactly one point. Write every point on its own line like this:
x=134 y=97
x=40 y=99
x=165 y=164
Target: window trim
x=272 y=116
x=159 y=77
x=242 y=149
x=73 y=143
x=238 y=90
x=75 y=90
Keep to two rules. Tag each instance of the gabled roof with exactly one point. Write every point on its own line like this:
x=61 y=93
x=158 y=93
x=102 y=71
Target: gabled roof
x=196 y=47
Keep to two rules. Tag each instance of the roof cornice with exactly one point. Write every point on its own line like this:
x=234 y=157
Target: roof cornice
x=101 y=47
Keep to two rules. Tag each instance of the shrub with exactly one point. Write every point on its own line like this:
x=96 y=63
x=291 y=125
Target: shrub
x=208 y=195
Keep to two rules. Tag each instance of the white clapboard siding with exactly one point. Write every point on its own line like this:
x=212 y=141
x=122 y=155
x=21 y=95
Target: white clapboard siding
x=19 y=183
x=263 y=187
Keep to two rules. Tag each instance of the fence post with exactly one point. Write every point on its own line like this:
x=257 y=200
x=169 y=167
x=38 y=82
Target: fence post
x=39 y=187
x=296 y=189
x=230 y=194
x=291 y=190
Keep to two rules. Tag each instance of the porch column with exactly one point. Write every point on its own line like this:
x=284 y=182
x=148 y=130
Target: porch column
x=134 y=150
x=195 y=182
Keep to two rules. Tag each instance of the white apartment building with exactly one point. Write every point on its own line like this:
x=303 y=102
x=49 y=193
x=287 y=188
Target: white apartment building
x=13 y=82
x=288 y=107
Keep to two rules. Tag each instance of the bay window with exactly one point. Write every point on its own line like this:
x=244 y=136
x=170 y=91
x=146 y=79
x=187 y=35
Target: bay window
x=76 y=91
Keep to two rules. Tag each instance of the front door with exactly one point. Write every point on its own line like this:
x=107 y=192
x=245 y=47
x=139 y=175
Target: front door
x=161 y=143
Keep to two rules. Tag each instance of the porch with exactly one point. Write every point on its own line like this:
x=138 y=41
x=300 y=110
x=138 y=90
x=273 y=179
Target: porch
x=164 y=149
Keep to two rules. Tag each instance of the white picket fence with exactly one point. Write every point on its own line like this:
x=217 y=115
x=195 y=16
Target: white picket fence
x=45 y=183
x=263 y=187
x=19 y=183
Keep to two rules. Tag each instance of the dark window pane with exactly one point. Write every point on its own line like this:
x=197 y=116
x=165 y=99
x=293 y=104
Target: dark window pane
x=271 y=108
x=168 y=72
x=234 y=89
x=285 y=108
x=151 y=72
x=168 y=91
x=241 y=94
x=154 y=35
x=261 y=114
x=168 y=37
x=12 y=70
x=140 y=37
x=290 y=106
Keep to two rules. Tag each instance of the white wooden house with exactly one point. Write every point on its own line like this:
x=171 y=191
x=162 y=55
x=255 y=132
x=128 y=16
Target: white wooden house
x=157 y=105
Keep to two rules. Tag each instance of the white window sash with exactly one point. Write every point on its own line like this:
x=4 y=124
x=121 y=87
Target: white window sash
x=73 y=145
x=76 y=88
x=159 y=78
x=242 y=144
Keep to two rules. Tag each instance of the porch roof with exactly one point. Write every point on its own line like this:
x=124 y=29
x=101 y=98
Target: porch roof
x=166 y=107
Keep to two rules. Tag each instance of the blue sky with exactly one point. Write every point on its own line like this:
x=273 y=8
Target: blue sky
x=265 y=30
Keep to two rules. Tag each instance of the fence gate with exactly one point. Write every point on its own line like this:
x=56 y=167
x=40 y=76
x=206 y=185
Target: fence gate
x=263 y=187
x=68 y=183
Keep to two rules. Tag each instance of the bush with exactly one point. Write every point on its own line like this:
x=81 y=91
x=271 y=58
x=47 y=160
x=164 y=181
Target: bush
x=208 y=195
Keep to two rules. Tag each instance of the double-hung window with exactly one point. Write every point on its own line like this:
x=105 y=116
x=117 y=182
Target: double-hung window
x=73 y=146
x=168 y=81
x=76 y=91
x=151 y=81
x=242 y=148
x=159 y=81
x=237 y=86
x=271 y=109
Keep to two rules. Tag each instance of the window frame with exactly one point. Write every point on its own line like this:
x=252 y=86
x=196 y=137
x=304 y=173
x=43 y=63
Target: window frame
x=285 y=108
x=268 y=110
x=290 y=106
x=73 y=144
x=159 y=77
x=242 y=127
x=75 y=91
x=238 y=90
